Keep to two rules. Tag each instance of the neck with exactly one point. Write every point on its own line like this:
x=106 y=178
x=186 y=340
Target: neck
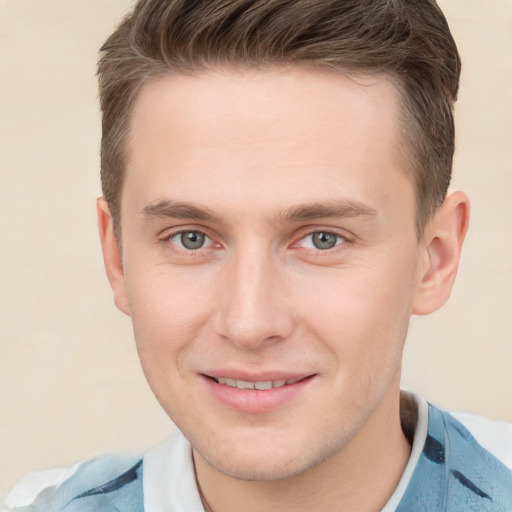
x=360 y=476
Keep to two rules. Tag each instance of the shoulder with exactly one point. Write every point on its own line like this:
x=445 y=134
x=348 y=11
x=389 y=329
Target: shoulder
x=462 y=462
x=475 y=454
x=164 y=479
x=109 y=482
x=493 y=436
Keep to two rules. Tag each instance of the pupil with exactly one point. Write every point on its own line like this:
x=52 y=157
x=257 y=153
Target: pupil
x=192 y=239
x=324 y=240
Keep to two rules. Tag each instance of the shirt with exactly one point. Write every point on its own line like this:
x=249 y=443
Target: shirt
x=458 y=463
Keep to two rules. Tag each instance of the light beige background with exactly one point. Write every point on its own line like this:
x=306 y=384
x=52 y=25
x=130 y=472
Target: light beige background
x=70 y=384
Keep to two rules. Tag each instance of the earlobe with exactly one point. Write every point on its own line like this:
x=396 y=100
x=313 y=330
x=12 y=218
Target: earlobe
x=442 y=244
x=112 y=255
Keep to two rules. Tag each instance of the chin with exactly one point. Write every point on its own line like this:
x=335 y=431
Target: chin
x=268 y=470
x=266 y=463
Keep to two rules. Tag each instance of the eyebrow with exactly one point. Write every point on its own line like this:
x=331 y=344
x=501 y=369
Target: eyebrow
x=342 y=208
x=178 y=210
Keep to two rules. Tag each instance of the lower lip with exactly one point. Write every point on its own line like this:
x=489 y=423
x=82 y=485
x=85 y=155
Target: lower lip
x=256 y=401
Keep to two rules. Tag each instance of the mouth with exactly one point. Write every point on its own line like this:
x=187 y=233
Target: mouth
x=259 y=385
x=257 y=394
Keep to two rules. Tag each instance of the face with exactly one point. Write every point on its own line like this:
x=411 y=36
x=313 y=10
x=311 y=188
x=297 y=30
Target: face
x=270 y=261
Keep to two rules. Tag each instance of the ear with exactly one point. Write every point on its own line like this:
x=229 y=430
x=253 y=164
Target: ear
x=441 y=246
x=112 y=255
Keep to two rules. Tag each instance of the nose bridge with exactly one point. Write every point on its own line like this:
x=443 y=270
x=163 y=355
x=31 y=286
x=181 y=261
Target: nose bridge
x=252 y=309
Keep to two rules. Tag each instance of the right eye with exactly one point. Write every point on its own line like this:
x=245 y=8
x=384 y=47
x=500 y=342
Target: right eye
x=190 y=240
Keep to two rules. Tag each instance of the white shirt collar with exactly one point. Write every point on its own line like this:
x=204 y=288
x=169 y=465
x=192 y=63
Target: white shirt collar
x=420 y=436
x=168 y=477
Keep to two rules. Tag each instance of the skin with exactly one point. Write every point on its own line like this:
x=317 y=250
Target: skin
x=260 y=162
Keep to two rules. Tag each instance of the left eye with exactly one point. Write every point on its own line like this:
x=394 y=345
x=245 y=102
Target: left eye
x=322 y=240
x=190 y=240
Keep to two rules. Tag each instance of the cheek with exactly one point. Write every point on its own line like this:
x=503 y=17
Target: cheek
x=167 y=310
x=362 y=314
x=167 y=315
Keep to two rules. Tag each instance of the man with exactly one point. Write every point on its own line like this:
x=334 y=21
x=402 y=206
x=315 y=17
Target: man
x=275 y=209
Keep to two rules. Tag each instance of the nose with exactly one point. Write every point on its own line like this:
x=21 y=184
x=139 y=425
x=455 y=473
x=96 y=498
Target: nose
x=254 y=309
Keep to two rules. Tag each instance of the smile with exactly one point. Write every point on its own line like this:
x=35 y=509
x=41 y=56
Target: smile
x=242 y=384
x=257 y=393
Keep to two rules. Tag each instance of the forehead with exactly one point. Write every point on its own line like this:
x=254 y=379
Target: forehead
x=304 y=130
x=309 y=98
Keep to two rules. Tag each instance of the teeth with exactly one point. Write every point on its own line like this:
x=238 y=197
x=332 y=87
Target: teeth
x=263 y=385
x=242 y=384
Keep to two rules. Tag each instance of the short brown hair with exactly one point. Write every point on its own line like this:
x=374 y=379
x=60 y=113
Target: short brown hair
x=408 y=40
